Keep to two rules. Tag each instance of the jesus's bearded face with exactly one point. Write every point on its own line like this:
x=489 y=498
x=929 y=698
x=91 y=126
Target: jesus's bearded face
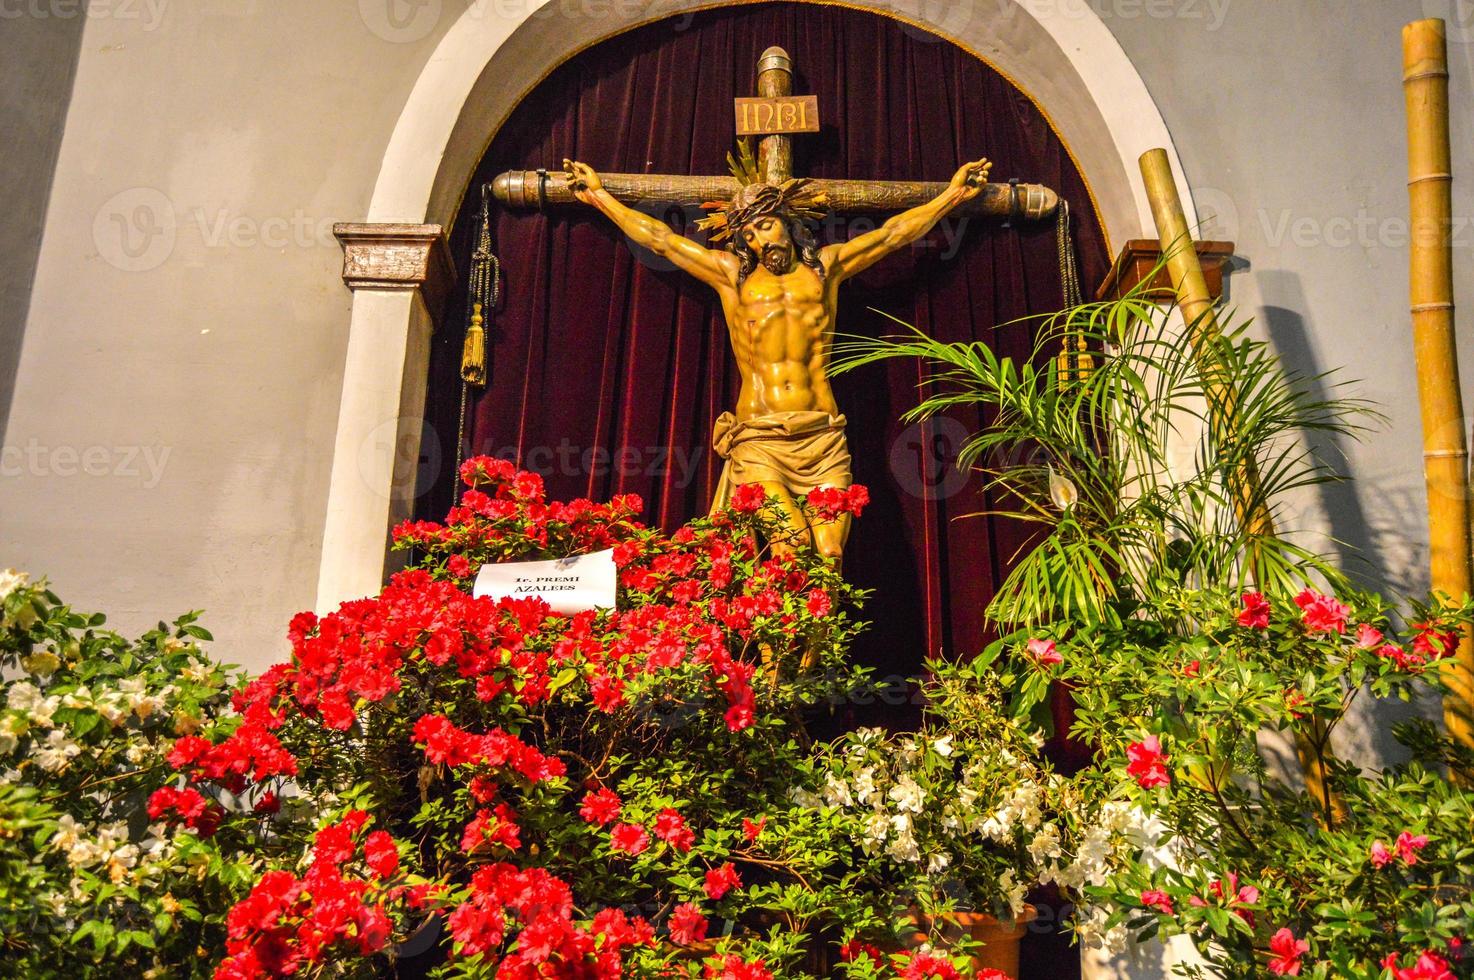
x=769 y=240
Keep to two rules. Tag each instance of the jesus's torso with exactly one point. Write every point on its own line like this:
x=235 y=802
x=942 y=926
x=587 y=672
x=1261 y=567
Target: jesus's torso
x=781 y=328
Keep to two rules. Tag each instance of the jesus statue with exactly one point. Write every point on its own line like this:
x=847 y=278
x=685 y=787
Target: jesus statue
x=779 y=291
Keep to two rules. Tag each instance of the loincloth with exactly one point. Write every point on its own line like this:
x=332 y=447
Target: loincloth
x=799 y=451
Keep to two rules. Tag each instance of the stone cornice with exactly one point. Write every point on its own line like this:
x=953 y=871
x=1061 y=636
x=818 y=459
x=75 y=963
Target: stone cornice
x=397 y=256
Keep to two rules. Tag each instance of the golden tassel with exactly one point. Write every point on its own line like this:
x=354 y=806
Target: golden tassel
x=473 y=353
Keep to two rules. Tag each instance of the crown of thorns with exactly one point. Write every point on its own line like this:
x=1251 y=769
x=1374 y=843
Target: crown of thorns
x=756 y=198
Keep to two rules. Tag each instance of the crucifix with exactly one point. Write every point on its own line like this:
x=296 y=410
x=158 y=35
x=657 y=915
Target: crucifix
x=777 y=285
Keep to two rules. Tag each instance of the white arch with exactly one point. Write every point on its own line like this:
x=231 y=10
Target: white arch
x=1057 y=51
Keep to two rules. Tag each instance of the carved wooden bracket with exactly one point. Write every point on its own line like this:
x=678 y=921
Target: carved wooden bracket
x=1140 y=255
x=394 y=256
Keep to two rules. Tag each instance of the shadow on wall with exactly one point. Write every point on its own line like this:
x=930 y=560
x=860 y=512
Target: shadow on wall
x=1351 y=538
x=40 y=55
x=1368 y=526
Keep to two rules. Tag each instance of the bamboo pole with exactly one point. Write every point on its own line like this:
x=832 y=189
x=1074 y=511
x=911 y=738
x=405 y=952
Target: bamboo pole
x=1196 y=305
x=1251 y=508
x=1445 y=452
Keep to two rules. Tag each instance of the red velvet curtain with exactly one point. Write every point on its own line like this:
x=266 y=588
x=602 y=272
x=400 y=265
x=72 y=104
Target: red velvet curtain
x=607 y=367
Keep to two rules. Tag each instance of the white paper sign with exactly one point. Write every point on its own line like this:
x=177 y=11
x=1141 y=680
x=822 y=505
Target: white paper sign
x=569 y=585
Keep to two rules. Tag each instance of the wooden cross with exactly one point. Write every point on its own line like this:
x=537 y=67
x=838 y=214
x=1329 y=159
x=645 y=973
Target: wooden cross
x=775 y=114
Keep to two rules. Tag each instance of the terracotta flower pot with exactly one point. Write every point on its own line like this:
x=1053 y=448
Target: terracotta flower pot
x=1000 y=939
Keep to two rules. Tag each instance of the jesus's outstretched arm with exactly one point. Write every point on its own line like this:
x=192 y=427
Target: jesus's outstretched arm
x=716 y=269
x=845 y=259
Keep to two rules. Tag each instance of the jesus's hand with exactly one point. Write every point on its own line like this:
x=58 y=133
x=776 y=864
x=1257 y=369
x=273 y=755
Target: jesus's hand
x=969 y=180
x=583 y=179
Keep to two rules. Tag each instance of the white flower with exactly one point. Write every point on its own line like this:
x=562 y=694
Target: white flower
x=11 y=728
x=907 y=795
x=56 y=751
x=939 y=862
x=200 y=673
x=903 y=845
x=138 y=752
x=68 y=832
x=10 y=580
x=865 y=785
x=909 y=751
x=1014 y=891
x=112 y=712
x=877 y=827
x=802 y=797
x=836 y=791
x=943 y=746
x=27 y=698
x=1090 y=927
x=80 y=851
x=1045 y=845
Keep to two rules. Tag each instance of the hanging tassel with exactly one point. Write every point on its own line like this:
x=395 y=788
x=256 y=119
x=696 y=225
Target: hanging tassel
x=473 y=352
x=484 y=289
x=1074 y=363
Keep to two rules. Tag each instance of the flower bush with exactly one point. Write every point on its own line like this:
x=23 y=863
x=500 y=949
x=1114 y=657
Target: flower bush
x=579 y=795
x=95 y=876
x=1371 y=877
x=518 y=792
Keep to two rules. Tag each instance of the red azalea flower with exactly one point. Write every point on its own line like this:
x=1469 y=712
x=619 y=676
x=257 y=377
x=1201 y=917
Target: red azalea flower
x=1322 y=613
x=671 y=827
x=818 y=603
x=1256 y=611
x=1192 y=669
x=1287 y=951
x=1434 y=643
x=600 y=806
x=459 y=566
x=735 y=967
x=1409 y=845
x=687 y=925
x=1430 y=966
x=1380 y=855
x=1043 y=653
x=854 y=949
x=929 y=966
x=751 y=830
x=629 y=838
x=1158 y=900
x=1368 y=637
x=1147 y=763
x=739 y=716
x=380 y=854
x=721 y=880
x=749 y=498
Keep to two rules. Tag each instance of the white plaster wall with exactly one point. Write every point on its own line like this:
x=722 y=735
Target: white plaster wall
x=188 y=325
